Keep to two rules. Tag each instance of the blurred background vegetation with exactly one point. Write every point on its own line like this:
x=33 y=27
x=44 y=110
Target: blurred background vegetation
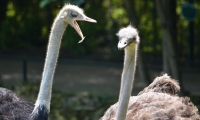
x=25 y=26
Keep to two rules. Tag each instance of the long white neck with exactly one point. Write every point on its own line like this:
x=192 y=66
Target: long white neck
x=127 y=80
x=57 y=30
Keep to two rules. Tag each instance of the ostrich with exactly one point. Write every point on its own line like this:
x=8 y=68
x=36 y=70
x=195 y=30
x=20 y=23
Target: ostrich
x=15 y=108
x=158 y=101
x=129 y=41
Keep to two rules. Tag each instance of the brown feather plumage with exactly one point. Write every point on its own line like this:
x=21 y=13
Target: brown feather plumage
x=158 y=101
x=13 y=107
x=162 y=84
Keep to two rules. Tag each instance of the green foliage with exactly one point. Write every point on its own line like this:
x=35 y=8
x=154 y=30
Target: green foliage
x=74 y=2
x=20 y=30
x=26 y=26
x=43 y=3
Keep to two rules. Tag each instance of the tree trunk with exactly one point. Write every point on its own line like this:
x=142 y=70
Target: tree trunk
x=167 y=13
x=142 y=67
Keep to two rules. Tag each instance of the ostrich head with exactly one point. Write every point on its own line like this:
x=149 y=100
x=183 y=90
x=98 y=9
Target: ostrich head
x=127 y=37
x=71 y=14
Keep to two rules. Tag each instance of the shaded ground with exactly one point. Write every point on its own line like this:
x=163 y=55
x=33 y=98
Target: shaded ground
x=102 y=78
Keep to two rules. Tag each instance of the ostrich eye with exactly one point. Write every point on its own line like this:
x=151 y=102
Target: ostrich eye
x=134 y=38
x=74 y=14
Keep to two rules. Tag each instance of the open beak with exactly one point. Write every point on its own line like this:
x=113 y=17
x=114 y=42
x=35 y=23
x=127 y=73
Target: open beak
x=77 y=28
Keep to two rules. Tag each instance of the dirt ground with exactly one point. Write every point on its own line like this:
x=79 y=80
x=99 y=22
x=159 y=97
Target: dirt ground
x=101 y=78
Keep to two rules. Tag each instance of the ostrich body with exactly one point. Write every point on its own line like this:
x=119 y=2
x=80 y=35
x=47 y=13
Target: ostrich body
x=15 y=108
x=158 y=101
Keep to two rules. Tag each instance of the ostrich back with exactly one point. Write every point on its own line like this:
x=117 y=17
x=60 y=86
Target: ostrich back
x=157 y=106
x=158 y=101
x=13 y=107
